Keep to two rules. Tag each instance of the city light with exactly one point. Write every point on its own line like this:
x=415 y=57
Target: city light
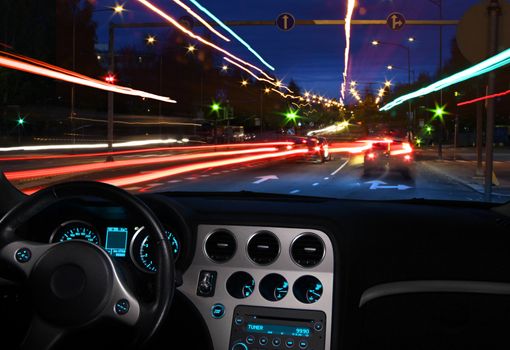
x=267 y=90
x=411 y=39
x=179 y=26
x=387 y=83
x=244 y=82
x=390 y=67
x=58 y=73
x=110 y=79
x=191 y=48
x=150 y=39
x=231 y=32
x=215 y=107
x=481 y=68
x=375 y=42
x=224 y=68
x=200 y=19
x=439 y=112
x=348 y=18
x=118 y=8
x=20 y=121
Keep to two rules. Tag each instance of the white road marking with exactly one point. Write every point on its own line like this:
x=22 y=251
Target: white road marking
x=174 y=181
x=340 y=168
x=326 y=178
x=295 y=191
x=376 y=185
x=262 y=179
x=315 y=184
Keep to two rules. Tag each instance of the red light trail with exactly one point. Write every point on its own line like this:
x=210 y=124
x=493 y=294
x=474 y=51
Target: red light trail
x=157 y=174
x=483 y=98
x=100 y=166
x=54 y=72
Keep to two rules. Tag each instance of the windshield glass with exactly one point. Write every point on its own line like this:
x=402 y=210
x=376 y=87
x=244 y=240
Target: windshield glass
x=339 y=98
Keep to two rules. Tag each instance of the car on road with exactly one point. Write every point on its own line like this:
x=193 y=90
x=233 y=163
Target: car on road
x=318 y=149
x=389 y=154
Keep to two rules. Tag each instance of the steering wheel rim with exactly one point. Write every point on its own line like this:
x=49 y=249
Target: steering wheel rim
x=151 y=315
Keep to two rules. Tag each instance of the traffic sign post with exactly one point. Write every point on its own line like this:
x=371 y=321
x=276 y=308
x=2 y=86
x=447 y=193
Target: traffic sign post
x=396 y=21
x=285 y=22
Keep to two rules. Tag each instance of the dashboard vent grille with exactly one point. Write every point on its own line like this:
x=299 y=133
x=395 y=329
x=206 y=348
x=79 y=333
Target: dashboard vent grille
x=307 y=250
x=263 y=248
x=220 y=246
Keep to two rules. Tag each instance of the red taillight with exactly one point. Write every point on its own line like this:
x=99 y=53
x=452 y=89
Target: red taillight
x=371 y=155
x=407 y=157
x=289 y=147
x=317 y=148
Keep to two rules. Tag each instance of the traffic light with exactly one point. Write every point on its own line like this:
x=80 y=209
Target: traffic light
x=215 y=107
x=20 y=121
x=110 y=79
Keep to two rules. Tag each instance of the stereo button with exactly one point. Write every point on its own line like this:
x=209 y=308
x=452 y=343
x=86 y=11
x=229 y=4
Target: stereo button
x=276 y=342
x=303 y=344
x=240 y=346
x=289 y=343
x=250 y=339
x=263 y=341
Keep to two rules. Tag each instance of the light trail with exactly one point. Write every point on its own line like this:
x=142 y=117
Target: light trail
x=56 y=73
x=179 y=26
x=224 y=26
x=483 y=67
x=136 y=123
x=101 y=166
x=158 y=174
x=330 y=129
x=249 y=71
x=483 y=98
x=284 y=95
x=147 y=150
x=350 y=149
x=200 y=19
x=348 y=19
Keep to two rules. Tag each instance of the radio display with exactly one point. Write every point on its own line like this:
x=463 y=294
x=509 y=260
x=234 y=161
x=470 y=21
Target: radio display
x=278 y=330
x=116 y=241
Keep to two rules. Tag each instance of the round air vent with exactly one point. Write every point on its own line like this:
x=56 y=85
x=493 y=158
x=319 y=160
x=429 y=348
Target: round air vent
x=307 y=250
x=220 y=246
x=263 y=248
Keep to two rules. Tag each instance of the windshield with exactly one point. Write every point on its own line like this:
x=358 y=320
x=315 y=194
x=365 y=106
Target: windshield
x=367 y=100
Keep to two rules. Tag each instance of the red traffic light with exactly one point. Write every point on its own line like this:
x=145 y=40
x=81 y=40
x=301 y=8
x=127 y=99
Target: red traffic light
x=110 y=79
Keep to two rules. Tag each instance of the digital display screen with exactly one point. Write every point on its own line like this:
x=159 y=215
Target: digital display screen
x=278 y=330
x=116 y=241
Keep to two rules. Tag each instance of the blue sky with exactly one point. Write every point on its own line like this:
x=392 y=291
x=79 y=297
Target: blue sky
x=314 y=55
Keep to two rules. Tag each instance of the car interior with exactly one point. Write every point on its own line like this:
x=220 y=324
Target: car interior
x=250 y=271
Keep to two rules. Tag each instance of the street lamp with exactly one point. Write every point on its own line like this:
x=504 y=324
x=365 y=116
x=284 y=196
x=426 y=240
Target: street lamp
x=150 y=40
x=411 y=39
x=244 y=82
x=118 y=8
x=389 y=67
x=191 y=48
x=224 y=68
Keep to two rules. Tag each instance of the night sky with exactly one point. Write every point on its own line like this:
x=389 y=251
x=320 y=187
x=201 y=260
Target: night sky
x=314 y=55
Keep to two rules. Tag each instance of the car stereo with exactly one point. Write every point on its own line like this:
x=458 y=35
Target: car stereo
x=275 y=328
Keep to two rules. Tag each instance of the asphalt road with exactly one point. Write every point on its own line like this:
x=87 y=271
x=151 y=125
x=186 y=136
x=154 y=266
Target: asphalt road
x=340 y=178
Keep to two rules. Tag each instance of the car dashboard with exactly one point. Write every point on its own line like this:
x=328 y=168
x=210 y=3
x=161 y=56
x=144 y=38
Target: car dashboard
x=279 y=272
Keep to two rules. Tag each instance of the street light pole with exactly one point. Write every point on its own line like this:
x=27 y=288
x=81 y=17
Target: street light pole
x=74 y=69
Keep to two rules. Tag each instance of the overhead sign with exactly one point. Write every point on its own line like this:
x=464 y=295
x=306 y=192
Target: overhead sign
x=396 y=21
x=285 y=21
x=473 y=31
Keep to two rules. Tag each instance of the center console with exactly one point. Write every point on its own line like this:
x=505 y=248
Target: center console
x=263 y=287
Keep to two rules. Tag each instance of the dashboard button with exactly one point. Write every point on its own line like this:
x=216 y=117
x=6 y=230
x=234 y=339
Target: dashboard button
x=318 y=326
x=303 y=344
x=23 y=255
x=218 y=311
x=238 y=320
x=263 y=341
x=250 y=339
x=289 y=343
x=276 y=342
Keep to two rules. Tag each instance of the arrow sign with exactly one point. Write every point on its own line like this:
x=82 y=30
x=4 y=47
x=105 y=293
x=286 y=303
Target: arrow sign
x=396 y=21
x=265 y=178
x=377 y=185
x=285 y=21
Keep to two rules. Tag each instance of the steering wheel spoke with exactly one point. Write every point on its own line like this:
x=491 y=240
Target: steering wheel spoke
x=122 y=306
x=42 y=335
x=23 y=255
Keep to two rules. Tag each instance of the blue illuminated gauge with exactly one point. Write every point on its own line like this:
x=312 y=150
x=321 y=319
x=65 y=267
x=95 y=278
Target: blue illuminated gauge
x=72 y=230
x=147 y=253
x=274 y=287
x=281 y=291
x=240 y=285
x=248 y=288
x=308 y=289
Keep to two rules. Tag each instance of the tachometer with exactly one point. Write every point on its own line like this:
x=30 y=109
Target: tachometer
x=72 y=230
x=143 y=250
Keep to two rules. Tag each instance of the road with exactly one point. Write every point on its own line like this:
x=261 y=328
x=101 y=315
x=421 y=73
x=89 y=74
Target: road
x=340 y=178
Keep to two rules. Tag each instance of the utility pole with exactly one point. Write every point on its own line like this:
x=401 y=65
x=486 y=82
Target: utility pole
x=494 y=11
x=111 y=67
x=74 y=69
x=479 y=136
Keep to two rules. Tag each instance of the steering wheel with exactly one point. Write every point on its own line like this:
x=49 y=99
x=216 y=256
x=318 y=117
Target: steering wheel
x=76 y=284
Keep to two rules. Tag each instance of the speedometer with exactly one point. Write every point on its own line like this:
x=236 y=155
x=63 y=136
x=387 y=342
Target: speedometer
x=144 y=253
x=72 y=230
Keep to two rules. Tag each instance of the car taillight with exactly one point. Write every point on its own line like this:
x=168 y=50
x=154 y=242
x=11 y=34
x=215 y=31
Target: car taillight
x=317 y=148
x=371 y=155
x=289 y=147
x=407 y=157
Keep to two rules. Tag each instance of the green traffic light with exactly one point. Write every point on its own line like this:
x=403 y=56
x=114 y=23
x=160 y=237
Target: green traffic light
x=428 y=129
x=291 y=115
x=439 y=112
x=215 y=107
x=21 y=121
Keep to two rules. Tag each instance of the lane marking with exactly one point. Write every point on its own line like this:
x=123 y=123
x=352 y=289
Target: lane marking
x=262 y=179
x=174 y=181
x=315 y=184
x=294 y=191
x=326 y=178
x=340 y=168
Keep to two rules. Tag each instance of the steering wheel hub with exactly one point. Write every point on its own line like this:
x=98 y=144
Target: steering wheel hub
x=71 y=283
